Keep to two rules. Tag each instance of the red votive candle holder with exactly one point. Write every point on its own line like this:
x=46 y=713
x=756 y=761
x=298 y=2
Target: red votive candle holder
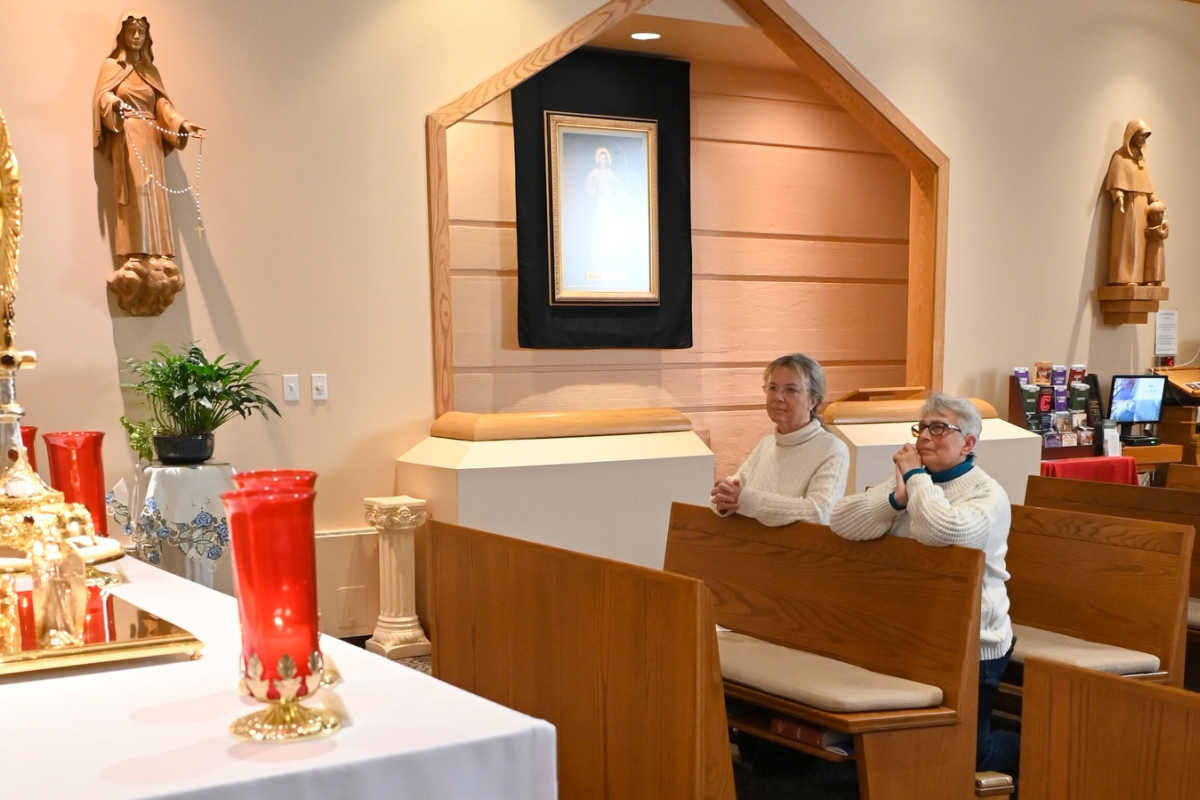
x=286 y=479
x=272 y=535
x=77 y=470
x=29 y=440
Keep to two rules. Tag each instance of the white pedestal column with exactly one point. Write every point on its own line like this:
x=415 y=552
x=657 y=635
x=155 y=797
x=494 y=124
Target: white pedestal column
x=398 y=632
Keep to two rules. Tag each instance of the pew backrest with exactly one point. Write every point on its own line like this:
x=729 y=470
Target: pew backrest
x=1107 y=579
x=1177 y=506
x=1183 y=476
x=891 y=605
x=1086 y=734
x=621 y=659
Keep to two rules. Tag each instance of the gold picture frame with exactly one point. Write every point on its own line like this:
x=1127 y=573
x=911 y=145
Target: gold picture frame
x=603 y=202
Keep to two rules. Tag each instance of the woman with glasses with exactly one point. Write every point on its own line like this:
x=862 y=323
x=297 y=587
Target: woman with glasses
x=799 y=471
x=939 y=497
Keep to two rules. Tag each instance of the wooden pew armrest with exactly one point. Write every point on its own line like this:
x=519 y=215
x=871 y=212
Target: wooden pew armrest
x=859 y=722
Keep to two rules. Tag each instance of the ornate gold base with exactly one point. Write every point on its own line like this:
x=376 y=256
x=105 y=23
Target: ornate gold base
x=285 y=721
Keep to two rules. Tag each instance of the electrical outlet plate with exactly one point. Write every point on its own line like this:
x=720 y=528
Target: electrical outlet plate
x=320 y=387
x=291 y=388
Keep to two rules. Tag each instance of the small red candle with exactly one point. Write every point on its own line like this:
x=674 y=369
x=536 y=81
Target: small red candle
x=29 y=440
x=77 y=470
x=275 y=569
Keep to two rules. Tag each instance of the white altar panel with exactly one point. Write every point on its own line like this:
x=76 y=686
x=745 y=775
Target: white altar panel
x=1007 y=453
x=607 y=496
x=159 y=729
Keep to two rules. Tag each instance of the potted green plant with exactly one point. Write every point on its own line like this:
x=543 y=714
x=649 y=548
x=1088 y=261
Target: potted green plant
x=190 y=397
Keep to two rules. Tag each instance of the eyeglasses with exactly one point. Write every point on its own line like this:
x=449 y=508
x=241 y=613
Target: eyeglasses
x=790 y=392
x=934 y=428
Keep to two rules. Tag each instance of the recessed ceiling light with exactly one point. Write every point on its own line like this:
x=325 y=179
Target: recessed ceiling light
x=642 y=37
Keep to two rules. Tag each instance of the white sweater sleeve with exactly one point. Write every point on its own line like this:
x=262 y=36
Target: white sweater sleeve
x=739 y=476
x=934 y=521
x=827 y=484
x=867 y=515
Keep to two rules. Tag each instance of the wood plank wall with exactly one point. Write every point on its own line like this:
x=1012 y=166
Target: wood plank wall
x=800 y=225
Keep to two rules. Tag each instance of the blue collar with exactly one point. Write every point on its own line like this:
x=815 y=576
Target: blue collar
x=954 y=472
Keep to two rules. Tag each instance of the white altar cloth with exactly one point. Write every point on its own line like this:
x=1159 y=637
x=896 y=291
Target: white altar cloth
x=161 y=731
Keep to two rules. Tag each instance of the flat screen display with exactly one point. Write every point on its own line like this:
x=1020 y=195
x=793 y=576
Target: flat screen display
x=1137 y=398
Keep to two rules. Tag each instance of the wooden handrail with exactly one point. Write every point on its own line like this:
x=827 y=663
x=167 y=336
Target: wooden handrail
x=553 y=424
x=852 y=412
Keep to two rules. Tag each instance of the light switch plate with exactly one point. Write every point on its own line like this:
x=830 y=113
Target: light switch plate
x=291 y=388
x=320 y=387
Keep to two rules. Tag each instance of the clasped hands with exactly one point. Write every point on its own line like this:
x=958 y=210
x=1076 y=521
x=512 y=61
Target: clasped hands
x=725 y=494
x=905 y=460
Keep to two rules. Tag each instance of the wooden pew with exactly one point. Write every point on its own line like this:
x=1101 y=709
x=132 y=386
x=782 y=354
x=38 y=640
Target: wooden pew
x=1091 y=736
x=892 y=606
x=1183 y=476
x=1178 y=506
x=1107 y=579
x=621 y=659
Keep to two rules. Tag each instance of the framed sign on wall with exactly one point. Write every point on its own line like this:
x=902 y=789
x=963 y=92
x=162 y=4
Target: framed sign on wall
x=602 y=152
x=603 y=209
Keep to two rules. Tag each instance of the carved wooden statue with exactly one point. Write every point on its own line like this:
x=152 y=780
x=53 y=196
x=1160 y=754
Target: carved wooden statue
x=1136 y=261
x=135 y=125
x=1132 y=193
x=1157 y=230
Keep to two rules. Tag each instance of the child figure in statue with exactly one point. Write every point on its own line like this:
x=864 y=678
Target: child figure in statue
x=135 y=126
x=1157 y=230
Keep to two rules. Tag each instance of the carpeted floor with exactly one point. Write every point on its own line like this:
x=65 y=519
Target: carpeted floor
x=772 y=772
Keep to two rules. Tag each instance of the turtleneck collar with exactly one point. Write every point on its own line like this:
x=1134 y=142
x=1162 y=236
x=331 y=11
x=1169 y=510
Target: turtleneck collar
x=954 y=472
x=798 y=437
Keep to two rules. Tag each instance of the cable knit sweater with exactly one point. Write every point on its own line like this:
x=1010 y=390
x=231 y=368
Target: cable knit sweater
x=792 y=477
x=959 y=506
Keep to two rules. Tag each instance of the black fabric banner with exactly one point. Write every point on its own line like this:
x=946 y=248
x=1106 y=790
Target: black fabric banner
x=607 y=84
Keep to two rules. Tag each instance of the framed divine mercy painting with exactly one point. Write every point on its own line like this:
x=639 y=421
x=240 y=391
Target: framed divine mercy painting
x=603 y=203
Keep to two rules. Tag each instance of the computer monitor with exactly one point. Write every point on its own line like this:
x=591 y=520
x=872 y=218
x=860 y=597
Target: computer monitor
x=1136 y=399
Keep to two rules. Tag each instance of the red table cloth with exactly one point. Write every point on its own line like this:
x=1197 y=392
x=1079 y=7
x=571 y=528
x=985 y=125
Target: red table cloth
x=1107 y=469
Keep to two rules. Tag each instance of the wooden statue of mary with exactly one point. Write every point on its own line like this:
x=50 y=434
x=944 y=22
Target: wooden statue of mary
x=135 y=125
x=1129 y=185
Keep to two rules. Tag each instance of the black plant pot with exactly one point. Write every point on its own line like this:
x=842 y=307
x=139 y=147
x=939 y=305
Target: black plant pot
x=193 y=448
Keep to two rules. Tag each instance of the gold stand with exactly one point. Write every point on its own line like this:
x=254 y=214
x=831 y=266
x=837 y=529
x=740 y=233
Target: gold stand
x=285 y=721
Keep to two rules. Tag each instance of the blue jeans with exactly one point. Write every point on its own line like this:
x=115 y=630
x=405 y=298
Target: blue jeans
x=995 y=750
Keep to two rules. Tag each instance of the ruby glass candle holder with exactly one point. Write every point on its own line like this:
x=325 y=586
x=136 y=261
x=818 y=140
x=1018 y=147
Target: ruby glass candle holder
x=276 y=479
x=28 y=440
x=77 y=470
x=272 y=539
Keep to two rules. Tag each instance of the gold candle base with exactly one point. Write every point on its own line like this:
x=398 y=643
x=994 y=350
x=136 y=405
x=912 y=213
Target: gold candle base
x=285 y=721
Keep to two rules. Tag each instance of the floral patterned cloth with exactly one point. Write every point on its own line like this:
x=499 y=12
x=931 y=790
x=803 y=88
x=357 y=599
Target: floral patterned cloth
x=179 y=506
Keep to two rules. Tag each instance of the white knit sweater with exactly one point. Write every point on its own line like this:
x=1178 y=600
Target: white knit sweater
x=792 y=477
x=971 y=510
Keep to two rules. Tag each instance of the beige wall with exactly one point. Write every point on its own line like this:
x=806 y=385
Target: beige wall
x=1029 y=99
x=315 y=258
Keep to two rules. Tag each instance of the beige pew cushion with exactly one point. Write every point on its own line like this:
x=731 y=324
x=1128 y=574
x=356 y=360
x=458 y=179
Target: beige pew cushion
x=1194 y=612
x=815 y=680
x=1079 y=652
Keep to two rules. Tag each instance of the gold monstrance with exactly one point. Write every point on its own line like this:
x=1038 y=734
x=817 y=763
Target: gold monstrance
x=40 y=535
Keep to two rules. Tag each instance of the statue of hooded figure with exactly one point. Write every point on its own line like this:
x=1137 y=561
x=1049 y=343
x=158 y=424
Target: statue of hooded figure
x=1129 y=185
x=135 y=125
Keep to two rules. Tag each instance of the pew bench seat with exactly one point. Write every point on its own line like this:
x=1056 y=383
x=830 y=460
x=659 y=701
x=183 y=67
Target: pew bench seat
x=1080 y=652
x=1193 y=613
x=812 y=680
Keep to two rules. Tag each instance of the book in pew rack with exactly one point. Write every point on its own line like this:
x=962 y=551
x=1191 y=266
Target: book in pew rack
x=834 y=741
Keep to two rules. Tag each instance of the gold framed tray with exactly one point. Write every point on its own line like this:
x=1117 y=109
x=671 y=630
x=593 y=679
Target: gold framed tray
x=116 y=630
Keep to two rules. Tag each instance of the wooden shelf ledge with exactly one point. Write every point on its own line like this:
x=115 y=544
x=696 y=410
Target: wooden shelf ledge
x=853 y=412
x=554 y=424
